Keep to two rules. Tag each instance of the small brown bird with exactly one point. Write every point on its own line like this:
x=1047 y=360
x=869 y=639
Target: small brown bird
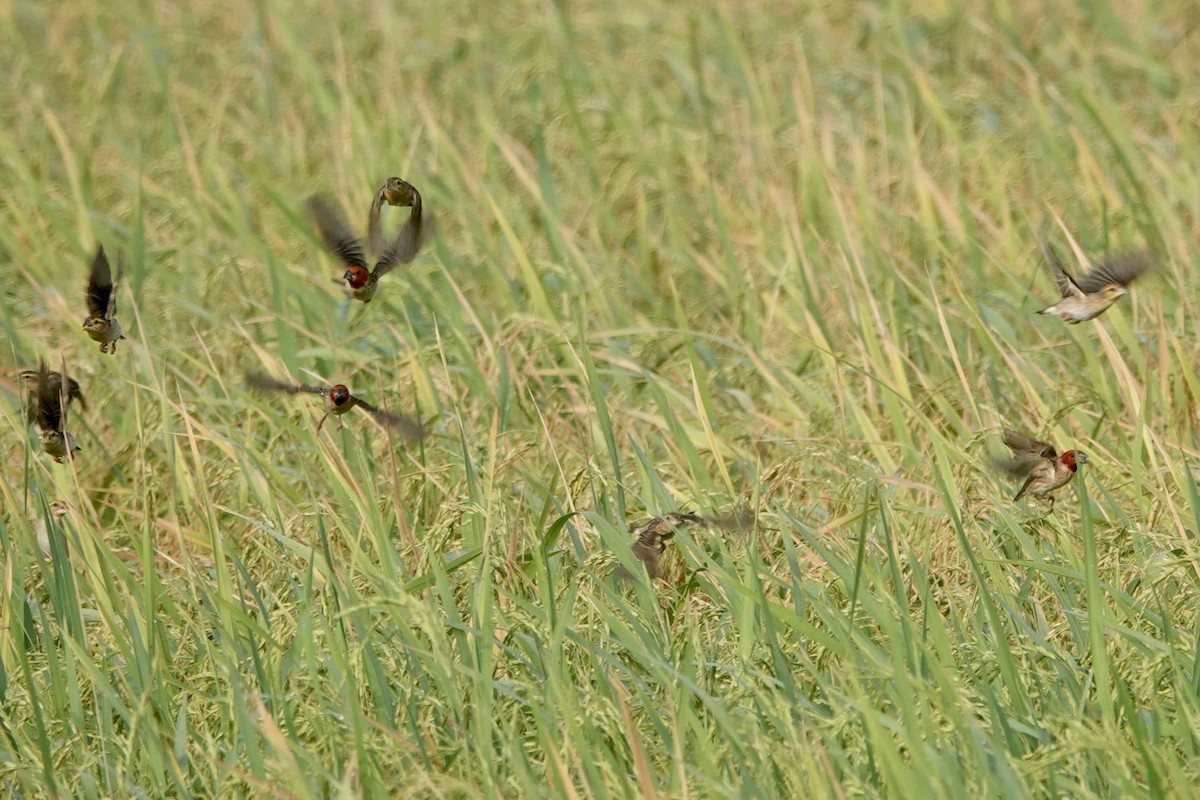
x=650 y=538
x=357 y=281
x=1092 y=294
x=30 y=378
x=339 y=401
x=1044 y=470
x=50 y=414
x=398 y=193
x=100 y=324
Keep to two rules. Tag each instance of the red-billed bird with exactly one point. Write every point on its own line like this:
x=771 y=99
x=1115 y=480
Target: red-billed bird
x=359 y=282
x=99 y=323
x=1090 y=295
x=339 y=401
x=1044 y=470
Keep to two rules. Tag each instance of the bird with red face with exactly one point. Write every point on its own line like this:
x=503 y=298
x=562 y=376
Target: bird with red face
x=339 y=401
x=1044 y=470
x=359 y=282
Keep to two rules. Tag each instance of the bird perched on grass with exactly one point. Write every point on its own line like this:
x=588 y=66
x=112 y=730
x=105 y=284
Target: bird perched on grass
x=100 y=324
x=1044 y=470
x=358 y=282
x=398 y=193
x=49 y=406
x=1091 y=294
x=54 y=379
x=339 y=401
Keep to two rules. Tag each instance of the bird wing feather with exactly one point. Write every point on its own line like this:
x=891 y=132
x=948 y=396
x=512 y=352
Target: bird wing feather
x=100 y=286
x=403 y=425
x=408 y=241
x=1024 y=445
x=1121 y=269
x=258 y=380
x=335 y=233
x=1066 y=284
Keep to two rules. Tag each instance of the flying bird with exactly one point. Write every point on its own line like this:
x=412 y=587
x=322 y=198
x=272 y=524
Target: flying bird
x=30 y=378
x=1044 y=470
x=50 y=414
x=650 y=538
x=358 y=282
x=1091 y=294
x=398 y=193
x=339 y=401
x=100 y=324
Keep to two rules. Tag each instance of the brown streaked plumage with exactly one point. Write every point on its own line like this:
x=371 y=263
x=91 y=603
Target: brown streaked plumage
x=650 y=538
x=1040 y=465
x=398 y=193
x=1091 y=294
x=50 y=414
x=339 y=401
x=30 y=378
x=100 y=323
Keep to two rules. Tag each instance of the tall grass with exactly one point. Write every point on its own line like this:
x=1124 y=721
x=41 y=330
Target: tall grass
x=760 y=257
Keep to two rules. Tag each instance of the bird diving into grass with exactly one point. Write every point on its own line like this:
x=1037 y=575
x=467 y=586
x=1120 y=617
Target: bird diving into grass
x=338 y=401
x=100 y=324
x=54 y=386
x=48 y=409
x=1090 y=295
x=650 y=538
x=359 y=282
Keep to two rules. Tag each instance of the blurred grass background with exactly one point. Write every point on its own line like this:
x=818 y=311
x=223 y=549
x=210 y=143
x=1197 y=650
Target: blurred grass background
x=767 y=255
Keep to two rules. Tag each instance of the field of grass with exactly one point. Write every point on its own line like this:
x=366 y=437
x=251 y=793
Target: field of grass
x=770 y=256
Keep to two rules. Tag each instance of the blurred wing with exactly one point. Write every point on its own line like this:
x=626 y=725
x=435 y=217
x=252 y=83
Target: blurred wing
x=403 y=425
x=1121 y=269
x=49 y=405
x=374 y=226
x=335 y=234
x=100 y=286
x=649 y=556
x=112 y=295
x=407 y=243
x=29 y=378
x=1062 y=279
x=1025 y=487
x=257 y=380
x=74 y=392
x=1024 y=445
x=1019 y=467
